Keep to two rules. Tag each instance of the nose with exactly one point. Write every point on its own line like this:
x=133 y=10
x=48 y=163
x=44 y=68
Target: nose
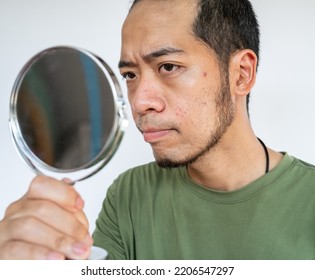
x=147 y=97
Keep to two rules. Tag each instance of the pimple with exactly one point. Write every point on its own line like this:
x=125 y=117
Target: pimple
x=205 y=74
x=179 y=112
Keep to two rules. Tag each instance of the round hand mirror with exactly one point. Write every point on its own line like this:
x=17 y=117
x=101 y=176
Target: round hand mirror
x=67 y=113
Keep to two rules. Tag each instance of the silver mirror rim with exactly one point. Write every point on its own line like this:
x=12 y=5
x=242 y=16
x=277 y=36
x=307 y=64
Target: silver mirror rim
x=98 y=162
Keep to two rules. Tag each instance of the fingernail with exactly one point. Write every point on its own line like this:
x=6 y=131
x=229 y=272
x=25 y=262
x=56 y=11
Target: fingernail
x=80 y=203
x=67 y=181
x=80 y=248
x=55 y=256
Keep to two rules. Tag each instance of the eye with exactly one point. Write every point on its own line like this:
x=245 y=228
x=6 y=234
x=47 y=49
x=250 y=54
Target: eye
x=128 y=76
x=169 y=67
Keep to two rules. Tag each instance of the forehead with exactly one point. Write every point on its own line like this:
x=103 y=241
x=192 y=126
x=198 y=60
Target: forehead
x=152 y=24
x=164 y=7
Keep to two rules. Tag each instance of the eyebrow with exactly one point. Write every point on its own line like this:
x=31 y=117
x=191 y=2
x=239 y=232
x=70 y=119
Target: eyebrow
x=151 y=56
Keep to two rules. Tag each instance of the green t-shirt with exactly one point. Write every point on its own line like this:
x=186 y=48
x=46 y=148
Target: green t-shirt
x=155 y=213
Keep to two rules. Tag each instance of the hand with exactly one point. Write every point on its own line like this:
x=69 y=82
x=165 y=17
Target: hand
x=46 y=223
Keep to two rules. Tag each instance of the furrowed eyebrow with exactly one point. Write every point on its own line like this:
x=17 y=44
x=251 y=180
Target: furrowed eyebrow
x=151 y=56
x=123 y=63
x=161 y=52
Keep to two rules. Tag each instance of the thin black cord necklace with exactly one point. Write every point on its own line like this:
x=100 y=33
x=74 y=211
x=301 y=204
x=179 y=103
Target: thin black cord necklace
x=266 y=153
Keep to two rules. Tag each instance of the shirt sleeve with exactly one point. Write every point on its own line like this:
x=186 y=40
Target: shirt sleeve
x=107 y=233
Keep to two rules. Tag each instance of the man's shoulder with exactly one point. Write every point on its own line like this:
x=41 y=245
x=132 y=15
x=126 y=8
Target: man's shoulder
x=299 y=172
x=303 y=164
x=304 y=170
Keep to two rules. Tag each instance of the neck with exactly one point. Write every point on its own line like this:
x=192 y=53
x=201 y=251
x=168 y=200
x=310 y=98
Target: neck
x=233 y=163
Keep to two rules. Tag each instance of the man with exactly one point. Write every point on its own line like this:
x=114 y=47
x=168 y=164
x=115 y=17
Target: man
x=215 y=190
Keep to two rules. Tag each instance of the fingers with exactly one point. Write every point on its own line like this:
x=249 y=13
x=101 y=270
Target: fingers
x=47 y=223
x=44 y=196
x=40 y=239
x=73 y=224
x=49 y=237
x=17 y=250
x=60 y=192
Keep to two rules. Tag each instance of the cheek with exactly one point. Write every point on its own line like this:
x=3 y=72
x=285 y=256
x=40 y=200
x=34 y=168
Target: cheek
x=180 y=112
x=194 y=103
x=188 y=115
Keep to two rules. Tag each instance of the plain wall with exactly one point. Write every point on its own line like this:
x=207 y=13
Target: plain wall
x=282 y=102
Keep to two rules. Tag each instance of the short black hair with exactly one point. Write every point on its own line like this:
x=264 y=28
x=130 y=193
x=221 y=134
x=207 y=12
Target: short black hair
x=226 y=26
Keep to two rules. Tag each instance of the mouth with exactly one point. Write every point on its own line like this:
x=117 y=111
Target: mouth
x=154 y=135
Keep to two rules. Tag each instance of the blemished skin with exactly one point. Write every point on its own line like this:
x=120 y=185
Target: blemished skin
x=174 y=84
x=174 y=88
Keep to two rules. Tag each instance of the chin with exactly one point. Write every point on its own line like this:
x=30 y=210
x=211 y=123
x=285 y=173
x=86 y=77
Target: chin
x=166 y=163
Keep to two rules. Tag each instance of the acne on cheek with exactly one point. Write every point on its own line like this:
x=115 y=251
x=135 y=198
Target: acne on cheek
x=180 y=112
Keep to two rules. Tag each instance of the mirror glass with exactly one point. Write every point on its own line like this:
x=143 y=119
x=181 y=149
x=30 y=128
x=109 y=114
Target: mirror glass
x=67 y=113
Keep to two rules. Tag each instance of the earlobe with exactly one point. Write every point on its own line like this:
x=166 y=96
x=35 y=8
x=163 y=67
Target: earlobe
x=244 y=65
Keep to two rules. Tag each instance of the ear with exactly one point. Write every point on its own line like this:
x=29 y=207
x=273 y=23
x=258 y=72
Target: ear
x=243 y=66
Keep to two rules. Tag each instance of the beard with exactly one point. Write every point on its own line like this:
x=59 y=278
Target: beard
x=225 y=110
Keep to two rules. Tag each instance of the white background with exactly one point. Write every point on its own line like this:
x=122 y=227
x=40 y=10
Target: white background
x=243 y=270
x=282 y=103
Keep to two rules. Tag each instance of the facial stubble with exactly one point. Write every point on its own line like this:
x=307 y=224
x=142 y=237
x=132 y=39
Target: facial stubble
x=225 y=111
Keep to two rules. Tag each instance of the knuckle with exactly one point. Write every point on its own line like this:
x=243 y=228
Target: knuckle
x=80 y=230
x=71 y=197
x=11 y=249
x=71 y=192
x=41 y=207
x=7 y=250
x=24 y=225
x=17 y=229
x=37 y=183
x=11 y=209
x=59 y=242
x=85 y=221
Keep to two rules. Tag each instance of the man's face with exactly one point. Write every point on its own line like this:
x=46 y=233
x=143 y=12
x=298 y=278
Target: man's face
x=179 y=100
